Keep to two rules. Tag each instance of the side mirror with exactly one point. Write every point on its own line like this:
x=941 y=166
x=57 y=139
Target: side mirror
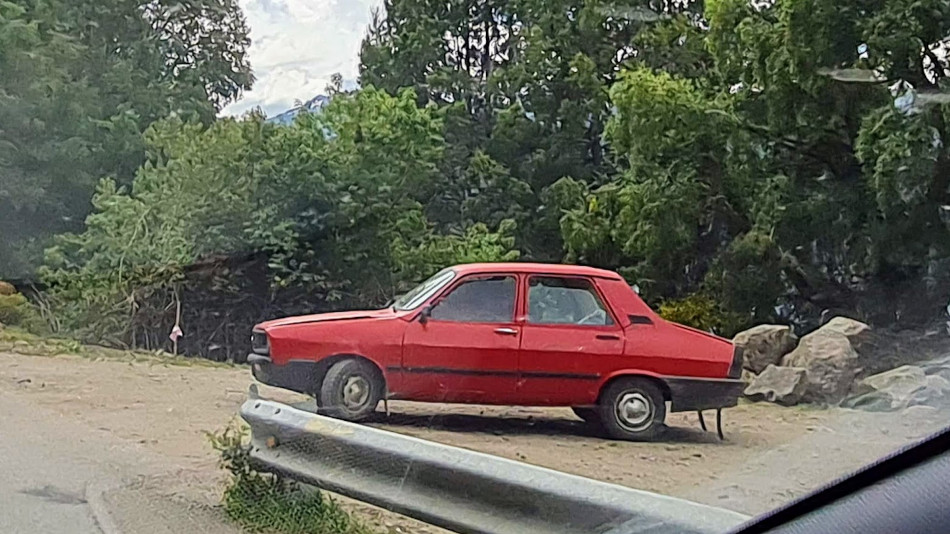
x=424 y=314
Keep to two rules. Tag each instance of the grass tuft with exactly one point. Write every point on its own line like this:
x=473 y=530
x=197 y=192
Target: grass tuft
x=20 y=341
x=265 y=502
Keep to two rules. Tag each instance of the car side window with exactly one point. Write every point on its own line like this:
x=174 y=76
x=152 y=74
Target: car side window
x=481 y=300
x=555 y=300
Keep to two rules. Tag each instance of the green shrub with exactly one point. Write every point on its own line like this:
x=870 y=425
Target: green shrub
x=265 y=502
x=747 y=276
x=16 y=310
x=702 y=312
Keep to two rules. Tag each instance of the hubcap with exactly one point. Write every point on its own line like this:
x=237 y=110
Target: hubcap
x=355 y=392
x=634 y=411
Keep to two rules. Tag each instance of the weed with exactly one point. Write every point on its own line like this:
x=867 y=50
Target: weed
x=265 y=502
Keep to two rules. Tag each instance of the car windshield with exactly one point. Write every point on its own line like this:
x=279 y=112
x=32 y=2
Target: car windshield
x=695 y=248
x=419 y=294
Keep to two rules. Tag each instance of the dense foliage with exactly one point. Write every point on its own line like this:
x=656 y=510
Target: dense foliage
x=741 y=161
x=751 y=153
x=80 y=81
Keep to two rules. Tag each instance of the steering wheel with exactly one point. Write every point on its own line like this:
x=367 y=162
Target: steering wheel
x=589 y=316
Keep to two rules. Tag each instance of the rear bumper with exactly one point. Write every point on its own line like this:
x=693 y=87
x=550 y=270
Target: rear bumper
x=295 y=375
x=692 y=394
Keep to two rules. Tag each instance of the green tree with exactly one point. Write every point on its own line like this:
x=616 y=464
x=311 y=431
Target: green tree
x=811 y=79
x=523 y=82
x=82 y=81
x=334 y=202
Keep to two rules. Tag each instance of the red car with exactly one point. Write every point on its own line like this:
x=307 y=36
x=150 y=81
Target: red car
x=506 y=333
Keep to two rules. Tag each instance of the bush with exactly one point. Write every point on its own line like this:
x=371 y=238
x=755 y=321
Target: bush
x=16 y=310
x=747 y=276
x=702 y=312
x=265 y=502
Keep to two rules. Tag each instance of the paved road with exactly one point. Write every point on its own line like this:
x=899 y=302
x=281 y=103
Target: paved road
x=45 y=469
x=50 y=465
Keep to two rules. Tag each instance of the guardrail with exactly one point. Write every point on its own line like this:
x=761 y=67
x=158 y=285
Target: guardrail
x=457 y=489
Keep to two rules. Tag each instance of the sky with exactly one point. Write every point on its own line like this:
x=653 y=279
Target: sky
x=297 y=45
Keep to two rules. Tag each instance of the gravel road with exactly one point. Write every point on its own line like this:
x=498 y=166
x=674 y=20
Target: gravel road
x=142 y=425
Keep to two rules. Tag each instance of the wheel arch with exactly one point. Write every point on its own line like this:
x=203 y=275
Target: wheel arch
x=324 y=365
x=646 y=375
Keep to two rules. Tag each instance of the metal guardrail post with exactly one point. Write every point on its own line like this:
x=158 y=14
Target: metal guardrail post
x=461 y=490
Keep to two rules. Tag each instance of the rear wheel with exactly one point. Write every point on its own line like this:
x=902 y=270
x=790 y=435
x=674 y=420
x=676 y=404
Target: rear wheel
x=632 y=409
x=351 y=390
x=589 y=415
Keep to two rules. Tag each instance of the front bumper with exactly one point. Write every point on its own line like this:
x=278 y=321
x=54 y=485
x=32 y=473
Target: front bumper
x=295 y=375
x=694 y=394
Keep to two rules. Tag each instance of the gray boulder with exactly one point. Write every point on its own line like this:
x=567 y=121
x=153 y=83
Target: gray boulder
x=901 y=381
x=939 y=367
x=747 y=376
x=859 y=334
x=831 y=362
x=935 y=393
x=900 y=388
x=781 y=385
x=764 y=345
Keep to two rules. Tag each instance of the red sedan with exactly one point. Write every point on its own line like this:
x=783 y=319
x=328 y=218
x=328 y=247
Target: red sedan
x=506 y=333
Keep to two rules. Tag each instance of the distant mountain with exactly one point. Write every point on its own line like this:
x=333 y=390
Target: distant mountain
x=314 y=105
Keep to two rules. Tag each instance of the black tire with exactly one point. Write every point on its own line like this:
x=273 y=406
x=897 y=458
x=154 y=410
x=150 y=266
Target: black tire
x=351 y=390
x=588 y=414
x=642 y=402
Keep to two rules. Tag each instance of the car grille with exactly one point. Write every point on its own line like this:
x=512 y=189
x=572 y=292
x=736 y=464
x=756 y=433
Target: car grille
x=259 y=342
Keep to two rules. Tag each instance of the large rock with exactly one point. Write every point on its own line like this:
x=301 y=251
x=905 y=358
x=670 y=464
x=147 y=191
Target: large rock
x=935 y=393
x=747 y=376
x=782 y=385
x=938 y=367
x=900 y=388
x=831 y=362
x=764 y=345
x=859 y=334
x=901 y=381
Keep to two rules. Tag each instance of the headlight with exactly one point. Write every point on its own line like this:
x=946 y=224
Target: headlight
x=259 y=342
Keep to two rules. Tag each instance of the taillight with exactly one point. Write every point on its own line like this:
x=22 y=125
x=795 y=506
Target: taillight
x=259 y=342
x=735 y=370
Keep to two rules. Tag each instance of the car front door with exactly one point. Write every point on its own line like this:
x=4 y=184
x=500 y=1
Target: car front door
x=569 y=339
x=466 y=349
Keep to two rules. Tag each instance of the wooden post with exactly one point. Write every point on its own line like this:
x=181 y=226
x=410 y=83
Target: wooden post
x=177 y=323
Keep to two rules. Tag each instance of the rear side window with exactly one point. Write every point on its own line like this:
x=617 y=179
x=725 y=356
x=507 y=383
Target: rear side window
x=555 y=300
x=481 y=300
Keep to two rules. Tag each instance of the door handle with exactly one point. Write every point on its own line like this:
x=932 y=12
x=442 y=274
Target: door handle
x=506 y=331
x=612 y=337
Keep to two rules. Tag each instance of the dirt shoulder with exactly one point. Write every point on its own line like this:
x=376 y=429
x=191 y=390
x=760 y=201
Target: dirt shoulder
x=771 y=454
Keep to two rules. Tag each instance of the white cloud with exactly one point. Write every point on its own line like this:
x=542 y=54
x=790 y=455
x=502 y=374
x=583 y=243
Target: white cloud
x=297 y=45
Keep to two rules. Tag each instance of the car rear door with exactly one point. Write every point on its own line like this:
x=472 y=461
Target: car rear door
x=570 y=338
x=467 y=349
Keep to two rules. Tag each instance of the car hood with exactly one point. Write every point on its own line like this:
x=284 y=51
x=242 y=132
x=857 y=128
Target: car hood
x=326 y=317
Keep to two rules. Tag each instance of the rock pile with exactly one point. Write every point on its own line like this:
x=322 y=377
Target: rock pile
x=839 y=363
x=900 y=388
x=765 y=345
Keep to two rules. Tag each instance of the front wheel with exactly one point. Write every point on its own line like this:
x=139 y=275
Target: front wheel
x=632 y=409
x=351 y=390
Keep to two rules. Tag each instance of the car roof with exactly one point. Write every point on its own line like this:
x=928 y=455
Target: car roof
x=534 y=268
